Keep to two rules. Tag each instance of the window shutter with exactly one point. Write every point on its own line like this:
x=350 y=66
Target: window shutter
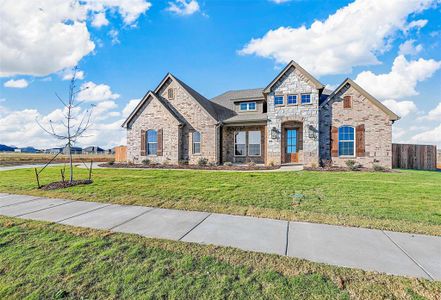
x=300 y=139
x=160 y=143
x=334 y=141
x=347 y=101
x=360 y=140
x=143 y=143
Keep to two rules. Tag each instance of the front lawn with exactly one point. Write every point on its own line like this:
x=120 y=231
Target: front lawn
x=48 y=261
x=401 y=201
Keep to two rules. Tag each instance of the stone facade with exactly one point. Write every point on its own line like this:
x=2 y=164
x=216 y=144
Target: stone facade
x=228 y=144
x=293 y=82
x=378 y=128
x=154 y=116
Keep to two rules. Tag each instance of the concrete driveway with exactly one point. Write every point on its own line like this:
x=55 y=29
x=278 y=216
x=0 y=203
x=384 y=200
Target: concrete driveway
x=372 y=250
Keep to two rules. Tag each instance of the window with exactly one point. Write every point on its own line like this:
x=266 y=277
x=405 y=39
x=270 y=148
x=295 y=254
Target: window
x=292 y=99
x=278 y=100
x=306 y=98
x=347 y=101
x=196 y=142
x=240 y=143
x=152 y=142
x=248 y=106
x=346 y=143
x=170 y=94
x=254 y=143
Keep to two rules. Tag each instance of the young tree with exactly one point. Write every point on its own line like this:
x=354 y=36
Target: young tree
x=76 y=120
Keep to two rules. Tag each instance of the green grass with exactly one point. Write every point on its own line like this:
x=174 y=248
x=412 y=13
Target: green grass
x=48 y=261
x=401 y=201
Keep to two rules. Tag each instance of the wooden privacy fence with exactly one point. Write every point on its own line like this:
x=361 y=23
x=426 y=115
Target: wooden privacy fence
x=418 y=157
x=121 y=154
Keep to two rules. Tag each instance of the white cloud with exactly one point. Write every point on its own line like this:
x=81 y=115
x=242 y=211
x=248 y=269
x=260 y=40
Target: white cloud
x=18 y=84
x=68 y=73
x=43 y=37
x=416 y=24
x=130 y=107
x=401 y=108
x=353 y=36
x=100 y=20
x=183 y=7
x=408 y=48
x=114 y=36
x=401 y=81
x=431 y=136
x=434 y=114
x=279 y=1
x=92 y=92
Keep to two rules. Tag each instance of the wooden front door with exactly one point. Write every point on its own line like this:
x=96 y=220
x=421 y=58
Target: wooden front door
x=291 y=150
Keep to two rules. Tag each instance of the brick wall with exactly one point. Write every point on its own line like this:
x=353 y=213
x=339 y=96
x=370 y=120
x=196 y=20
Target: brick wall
x=228 y=145
x=378 y=128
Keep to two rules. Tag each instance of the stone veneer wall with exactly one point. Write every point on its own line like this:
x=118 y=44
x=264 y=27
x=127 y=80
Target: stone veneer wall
x=196 y=119
x=378 y=128
x=228 y=145
x=154 y=116
x=293 y=82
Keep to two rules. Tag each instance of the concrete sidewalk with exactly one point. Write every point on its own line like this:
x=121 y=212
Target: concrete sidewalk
x=372 y=250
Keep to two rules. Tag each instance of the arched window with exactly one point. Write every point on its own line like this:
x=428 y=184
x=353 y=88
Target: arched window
x=346 y=141
x=152 y=142
x=196 y=142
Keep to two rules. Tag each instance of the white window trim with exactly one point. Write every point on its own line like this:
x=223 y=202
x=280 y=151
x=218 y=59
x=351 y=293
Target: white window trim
x=248 y=106
x=283 y=100
x=310 y=99
x=234 y=144
x=260 y=144
x=355 y=142
x=297 y=99
x=193 y=142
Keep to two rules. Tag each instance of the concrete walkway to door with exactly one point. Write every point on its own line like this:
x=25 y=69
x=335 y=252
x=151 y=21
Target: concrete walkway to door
x=373 y=250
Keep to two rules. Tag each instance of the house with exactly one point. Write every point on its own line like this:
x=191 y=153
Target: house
x=26 y=150
x=53 y=150
x=73 y=150
x=294 y=119
x=93 y=150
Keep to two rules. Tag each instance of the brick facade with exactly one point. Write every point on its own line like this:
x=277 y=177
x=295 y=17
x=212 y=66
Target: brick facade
x=228 y=144
x=378 y=128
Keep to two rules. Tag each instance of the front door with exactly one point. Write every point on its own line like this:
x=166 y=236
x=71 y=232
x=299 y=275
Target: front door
x=291 y=154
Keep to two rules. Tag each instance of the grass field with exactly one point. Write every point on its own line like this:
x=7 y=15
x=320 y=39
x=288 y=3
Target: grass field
x=12 y=159
x=403 y=201
x=47 y=261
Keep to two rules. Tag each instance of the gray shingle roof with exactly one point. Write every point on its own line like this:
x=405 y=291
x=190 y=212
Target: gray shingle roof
x=247 y=118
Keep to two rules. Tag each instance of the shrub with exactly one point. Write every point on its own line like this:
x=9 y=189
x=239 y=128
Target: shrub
x=146 y=162
x=183 y=162
x=353 y=165
x=378 y=168
x=271 y=163
x=228 y=163
x=202 y=161
x=111 y=162
x=212 y=164
x=251 y=164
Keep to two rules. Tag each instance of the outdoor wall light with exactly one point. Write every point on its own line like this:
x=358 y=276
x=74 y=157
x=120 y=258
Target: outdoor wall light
x=312 y=132
x=274 y=133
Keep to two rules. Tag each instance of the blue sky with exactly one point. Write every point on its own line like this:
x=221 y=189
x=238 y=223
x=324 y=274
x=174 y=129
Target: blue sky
x=125 y=47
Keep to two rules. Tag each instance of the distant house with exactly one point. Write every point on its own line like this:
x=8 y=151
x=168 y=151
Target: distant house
x=73 y=150
x=26 y=150
x=93 y=150
x=53 y=150
x=5 y=148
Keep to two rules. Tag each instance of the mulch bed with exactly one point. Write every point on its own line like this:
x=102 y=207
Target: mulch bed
x=342 y=169
x=64 y=184
x=191 y=167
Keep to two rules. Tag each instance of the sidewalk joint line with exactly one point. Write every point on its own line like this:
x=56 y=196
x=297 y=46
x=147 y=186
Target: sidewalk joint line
x=408 y=255
x=67 y=202
x=83 y=213
x=27 y=201
x=131 y=219
x=287 y=238
x=194 y=227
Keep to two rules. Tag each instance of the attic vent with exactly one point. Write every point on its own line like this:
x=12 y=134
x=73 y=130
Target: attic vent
x=347 y=102
x=171 y=94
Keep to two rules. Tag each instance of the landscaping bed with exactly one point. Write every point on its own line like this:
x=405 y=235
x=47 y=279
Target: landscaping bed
x=190 y=167
x=64 y=184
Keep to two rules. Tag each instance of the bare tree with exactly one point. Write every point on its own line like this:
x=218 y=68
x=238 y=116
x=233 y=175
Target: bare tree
x=76 y=122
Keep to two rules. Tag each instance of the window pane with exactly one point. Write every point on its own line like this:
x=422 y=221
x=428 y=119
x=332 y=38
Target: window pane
x=196 y=147
x=346 y=148
x=243 y=106
x=254 y=137
x=306 y=98
x=292 y=99
x=240 y=137
x=346 y=133
x=196 y=137
x=254 y=149
x=252 y=106
x=152 y=148
x=239 y=149
x=152 y=136
x=278 y=100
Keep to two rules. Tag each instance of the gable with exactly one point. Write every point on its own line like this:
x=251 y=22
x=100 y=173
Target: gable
x=347 y=84
x=299 y=70
x=161 y=107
